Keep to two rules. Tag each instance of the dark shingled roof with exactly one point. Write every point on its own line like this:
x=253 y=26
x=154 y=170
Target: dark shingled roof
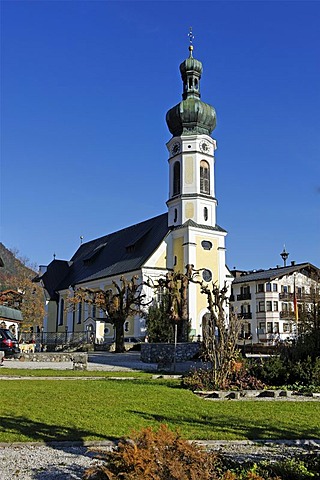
x=273 y=273
x=113 y=254
x=56 y=271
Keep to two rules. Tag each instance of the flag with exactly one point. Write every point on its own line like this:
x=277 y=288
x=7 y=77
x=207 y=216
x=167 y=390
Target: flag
x=295 y=304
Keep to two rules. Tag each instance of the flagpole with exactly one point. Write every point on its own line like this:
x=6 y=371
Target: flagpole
x=295 y=304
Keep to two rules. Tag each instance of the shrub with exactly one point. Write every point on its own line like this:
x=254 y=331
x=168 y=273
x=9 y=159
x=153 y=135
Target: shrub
x=272 y=371
x=156 y=455
x=164 y=455
x=200 y=379
x=293 y=468
x=278 y=371
x=239 y=378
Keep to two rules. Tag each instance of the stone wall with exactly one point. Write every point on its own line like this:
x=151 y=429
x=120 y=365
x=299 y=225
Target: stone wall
x=52 y=357
x=164 y=352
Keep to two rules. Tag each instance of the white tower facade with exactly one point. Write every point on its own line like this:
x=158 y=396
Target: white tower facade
x=196 y=238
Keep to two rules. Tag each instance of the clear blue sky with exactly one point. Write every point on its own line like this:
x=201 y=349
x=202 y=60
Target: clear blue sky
x=85 y=86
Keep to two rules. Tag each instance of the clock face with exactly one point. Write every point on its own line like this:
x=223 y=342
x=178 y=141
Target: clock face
x=175 y=148
x=204 y=147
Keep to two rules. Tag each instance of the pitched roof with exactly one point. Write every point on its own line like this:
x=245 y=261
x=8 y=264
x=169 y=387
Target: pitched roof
x=191 y=223
x=11 y=314
x=116 y=253
x=274 y=273
x=56 y=271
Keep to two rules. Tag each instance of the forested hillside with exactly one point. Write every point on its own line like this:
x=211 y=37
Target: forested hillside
x=16 y=274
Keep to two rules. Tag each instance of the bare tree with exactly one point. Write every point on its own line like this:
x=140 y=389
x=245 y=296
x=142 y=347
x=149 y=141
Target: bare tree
x=175 y=286
x=220 y=334
x=123 y=301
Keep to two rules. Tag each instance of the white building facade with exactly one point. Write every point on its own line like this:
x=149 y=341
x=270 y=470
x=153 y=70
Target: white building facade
x=274 y=304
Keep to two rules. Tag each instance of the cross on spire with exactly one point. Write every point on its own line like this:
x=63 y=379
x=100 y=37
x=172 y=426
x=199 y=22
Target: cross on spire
x=191 y=36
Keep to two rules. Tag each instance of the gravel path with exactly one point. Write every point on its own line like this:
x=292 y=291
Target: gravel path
x=39 y=462
x=65 y=462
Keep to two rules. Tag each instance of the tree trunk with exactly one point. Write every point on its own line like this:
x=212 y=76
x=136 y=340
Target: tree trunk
x=119 y=331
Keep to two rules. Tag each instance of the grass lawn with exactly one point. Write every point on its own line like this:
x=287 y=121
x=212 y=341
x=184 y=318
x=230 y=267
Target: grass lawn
x=49 y=410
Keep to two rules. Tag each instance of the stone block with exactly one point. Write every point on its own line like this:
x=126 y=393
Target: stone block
x=285 y=393
x=233 y=395
x=269 y=393
x=80 y=361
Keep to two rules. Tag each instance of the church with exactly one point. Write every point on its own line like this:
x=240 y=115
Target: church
x=187 y=233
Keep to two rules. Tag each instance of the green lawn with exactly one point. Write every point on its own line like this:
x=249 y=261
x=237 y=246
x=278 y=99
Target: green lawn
x=49 y=410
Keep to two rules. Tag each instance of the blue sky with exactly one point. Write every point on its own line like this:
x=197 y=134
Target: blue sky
x=85 y=86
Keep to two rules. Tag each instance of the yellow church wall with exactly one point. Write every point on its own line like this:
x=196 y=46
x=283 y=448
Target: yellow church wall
x=189 y=210
x=178 y=253
x=206 y=259
x=161 y=262
x=188 y=175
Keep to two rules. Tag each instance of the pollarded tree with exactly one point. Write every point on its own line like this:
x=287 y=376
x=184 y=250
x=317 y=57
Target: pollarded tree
x=120 y=303
x=220 y=333
x=175 y=285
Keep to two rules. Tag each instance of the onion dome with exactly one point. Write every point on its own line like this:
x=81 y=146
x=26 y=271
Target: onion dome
x=191 y=116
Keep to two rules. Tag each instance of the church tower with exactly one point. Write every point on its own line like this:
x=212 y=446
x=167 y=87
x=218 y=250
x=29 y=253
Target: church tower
x=191 y=187
x=196 y=237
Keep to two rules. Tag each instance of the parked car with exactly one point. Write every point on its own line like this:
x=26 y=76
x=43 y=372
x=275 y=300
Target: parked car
x=8 y=343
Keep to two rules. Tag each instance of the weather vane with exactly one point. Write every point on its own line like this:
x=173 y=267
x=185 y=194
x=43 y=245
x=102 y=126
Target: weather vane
x=191 y=36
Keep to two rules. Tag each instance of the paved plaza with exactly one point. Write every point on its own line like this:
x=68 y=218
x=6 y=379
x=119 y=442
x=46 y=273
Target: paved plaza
x=104 y=361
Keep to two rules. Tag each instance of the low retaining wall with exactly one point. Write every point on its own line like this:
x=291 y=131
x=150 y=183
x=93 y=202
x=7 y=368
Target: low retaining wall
x=255 y=394
x=79 y=360
x=164 y=352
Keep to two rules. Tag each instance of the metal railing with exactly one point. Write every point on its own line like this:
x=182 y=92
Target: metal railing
x=56 y=339
x=244 y=296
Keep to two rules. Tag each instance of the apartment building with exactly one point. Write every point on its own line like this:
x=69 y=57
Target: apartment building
x=274 y=304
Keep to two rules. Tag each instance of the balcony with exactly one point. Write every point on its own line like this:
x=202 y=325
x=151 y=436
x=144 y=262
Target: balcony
x=287 y=315
x=286 y=296
x=244 y=296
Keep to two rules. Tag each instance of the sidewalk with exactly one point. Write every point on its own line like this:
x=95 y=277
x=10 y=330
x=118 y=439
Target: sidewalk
x=105 y=361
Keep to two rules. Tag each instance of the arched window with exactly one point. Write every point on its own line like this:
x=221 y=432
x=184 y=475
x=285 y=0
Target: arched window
x=176 y=178
x=61 y=311
x=79 y=312
x=205 y=214
x=204 y=177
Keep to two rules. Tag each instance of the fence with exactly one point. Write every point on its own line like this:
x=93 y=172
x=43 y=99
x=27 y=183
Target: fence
x=55 y=340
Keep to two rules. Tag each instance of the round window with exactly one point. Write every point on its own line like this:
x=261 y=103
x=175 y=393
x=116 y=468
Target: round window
x=206 y=245
x=207 y=275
